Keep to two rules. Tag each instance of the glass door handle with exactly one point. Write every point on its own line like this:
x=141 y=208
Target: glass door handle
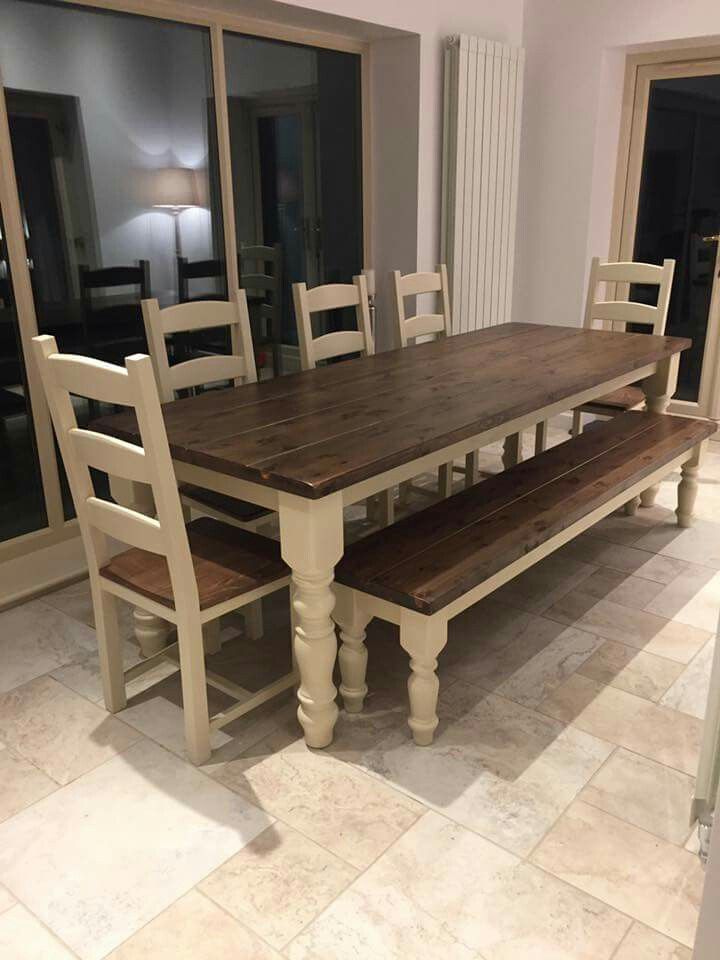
x=713 y=238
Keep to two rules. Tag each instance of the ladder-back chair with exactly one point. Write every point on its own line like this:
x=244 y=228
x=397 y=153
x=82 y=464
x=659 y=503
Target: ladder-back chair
x=190 y=575
x=265 y=290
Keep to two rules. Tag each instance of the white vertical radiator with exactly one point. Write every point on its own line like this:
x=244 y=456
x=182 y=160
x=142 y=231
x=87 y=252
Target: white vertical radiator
x=481 y=147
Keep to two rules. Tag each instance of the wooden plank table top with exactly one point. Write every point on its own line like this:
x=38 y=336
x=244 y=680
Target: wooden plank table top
x=320 y=431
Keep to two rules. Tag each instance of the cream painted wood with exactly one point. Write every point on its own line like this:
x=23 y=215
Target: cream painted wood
x=424 y=636
x=336 y=296
x=439 y=325
x=352 y=656
x=311 y=541
x=239 y=367
x=319 y=522
x=101 y=522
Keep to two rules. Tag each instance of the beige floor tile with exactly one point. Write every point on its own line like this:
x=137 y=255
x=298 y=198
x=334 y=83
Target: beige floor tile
x=640 y=562
x=163 y=722
x=76 y=601
x=693 y=598
x=36 y=638
x=644 y=793
x=480 y=632
x=354 y=816
x=539 y=587
x=100 y=858
x=649 y=879
x=632 y=670
x=617 y=528
x=697 y=544
x=194 y=928
x=536 y=678
x=689 y=693
x=636 y=628
x=59 y=731
x=642 y=943
x=22 y=937
x=21 y=783
x=622 y=588
x=84 y=676
x=7 y=900
x=278 y=883
x=440 y=879
x=500 y=769
x=642 y=727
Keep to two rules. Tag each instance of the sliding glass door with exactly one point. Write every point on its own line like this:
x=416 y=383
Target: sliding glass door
x=296 y=147
x=115 y=140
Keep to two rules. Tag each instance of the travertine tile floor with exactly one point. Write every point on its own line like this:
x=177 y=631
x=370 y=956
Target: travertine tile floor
x=549 y=820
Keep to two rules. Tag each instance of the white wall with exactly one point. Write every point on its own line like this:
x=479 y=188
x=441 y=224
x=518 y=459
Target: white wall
x=573 y=99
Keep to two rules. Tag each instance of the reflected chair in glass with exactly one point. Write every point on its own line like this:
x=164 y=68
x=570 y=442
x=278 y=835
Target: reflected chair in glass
x=237 y=367
x=339 y=343
x=438 y=325
x=188 y=270
x=110 y=300
x=264 y=292
x=188 y=574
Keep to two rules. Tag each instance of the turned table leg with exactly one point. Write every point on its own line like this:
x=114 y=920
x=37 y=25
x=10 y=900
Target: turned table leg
x=151 y=632
x=311 y=543
x=658 y=389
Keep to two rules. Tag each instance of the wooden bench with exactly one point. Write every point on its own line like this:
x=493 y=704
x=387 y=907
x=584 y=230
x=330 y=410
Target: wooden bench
x=429 y=567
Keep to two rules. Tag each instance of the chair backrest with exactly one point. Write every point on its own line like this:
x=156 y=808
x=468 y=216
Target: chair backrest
x=238 y=366
x=132 y=386
x=332 y=296
x=617 y=314
x=421 y=324
x=253 y=261
x=107 y=277
x=188 y=270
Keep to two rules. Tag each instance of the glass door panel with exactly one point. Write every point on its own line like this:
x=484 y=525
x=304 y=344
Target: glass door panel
x=296 y=152
x=22 y=504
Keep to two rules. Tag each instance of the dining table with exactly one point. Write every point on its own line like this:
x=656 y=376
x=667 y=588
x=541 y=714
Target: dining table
x=310 y=443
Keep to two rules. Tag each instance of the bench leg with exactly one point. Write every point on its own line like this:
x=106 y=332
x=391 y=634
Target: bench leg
x=512 y=451
x=423 y=638
x=445 y=479
x=687 y=489
x=631 y=507
x=353 y=655
x=472 y=473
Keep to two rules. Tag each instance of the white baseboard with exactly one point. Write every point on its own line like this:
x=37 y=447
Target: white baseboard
x=33 y=574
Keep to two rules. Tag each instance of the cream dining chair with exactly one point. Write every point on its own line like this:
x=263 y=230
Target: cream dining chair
x=617 y=314
x=339 y=343
x=190 y=575
x=438 y=325
x=238 y=367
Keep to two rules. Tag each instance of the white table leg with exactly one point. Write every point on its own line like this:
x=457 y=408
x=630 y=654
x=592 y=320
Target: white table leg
x=151 y=632
x=311 y=542
x=658 y=389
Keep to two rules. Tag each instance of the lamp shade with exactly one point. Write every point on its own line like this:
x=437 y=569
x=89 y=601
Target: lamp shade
x=175 y=187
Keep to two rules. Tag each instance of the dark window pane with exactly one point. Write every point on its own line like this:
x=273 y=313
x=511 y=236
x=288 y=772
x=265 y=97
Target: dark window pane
x=22 y=505
x=296 y=145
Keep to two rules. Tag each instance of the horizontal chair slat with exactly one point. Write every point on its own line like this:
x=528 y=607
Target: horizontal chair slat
x=95 y=379
x=338 y=343
x=198 y=315
x=207 y=370
x=332 y=296
x=115 y=457
x=415 y=283
x=424 y=324
x=126 y=525
x=623 y=311
x=629 y=272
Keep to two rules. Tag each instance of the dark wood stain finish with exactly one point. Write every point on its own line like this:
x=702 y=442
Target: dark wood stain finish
x=320 y=431
x=429 y=559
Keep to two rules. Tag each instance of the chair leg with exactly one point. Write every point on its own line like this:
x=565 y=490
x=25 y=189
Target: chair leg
x=687 y=490
x=353 y=655
x=445 y=479
x=540 y=436
x=194 y=689
x=253 y=614
x=211 y=637
x=423 y=638
x=577 y=424
x=109 y=649
x=512 y=451
x=472 y=473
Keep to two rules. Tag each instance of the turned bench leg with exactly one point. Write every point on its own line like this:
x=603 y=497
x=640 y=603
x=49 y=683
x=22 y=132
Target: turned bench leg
x=631 y=507
x=688 y=488
x=423 y=638
x=353 y=655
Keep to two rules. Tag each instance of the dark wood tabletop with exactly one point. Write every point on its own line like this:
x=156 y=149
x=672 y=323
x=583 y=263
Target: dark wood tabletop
x=322 y=430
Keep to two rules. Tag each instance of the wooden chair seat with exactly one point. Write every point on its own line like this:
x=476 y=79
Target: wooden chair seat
x=428 y=560
x=626 y=398
x=239 y=510
x=228 y=562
